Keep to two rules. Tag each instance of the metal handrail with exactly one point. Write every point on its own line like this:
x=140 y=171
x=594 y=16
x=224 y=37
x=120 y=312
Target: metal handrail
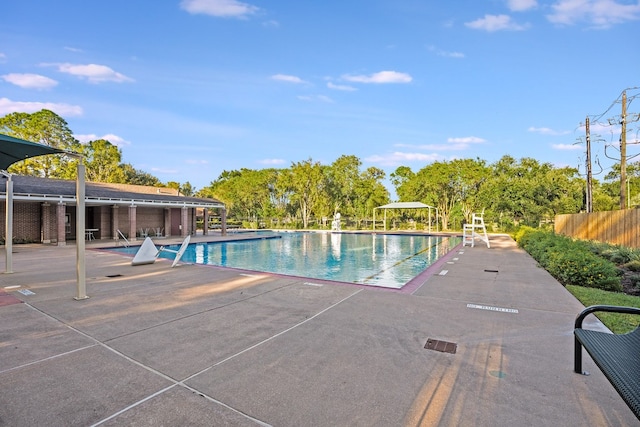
x=126 y=242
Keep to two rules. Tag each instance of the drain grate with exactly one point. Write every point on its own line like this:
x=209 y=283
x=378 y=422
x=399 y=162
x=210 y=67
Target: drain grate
x=442 y=346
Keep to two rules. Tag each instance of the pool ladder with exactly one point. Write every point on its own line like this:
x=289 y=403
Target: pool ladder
x=126 y=243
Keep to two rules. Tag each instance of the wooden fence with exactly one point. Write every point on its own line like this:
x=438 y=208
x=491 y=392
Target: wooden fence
x=618 y=227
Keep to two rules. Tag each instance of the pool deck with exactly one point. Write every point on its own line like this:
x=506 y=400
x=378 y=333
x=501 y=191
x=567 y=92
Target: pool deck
x=200 y=345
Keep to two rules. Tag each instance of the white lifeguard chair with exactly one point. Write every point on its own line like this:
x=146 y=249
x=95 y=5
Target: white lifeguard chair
x=475 y=229
x=335 y=224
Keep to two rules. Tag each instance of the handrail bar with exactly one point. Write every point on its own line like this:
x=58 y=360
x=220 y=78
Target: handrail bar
x=126 y=244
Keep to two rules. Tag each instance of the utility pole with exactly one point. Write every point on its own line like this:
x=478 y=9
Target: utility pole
x=623 y=153
x=589 y=179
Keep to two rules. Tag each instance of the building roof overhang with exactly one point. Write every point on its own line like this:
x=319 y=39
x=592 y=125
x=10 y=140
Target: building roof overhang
x=34 y=189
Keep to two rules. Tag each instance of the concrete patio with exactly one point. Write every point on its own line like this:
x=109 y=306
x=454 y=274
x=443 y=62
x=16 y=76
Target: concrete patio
x=200 y=345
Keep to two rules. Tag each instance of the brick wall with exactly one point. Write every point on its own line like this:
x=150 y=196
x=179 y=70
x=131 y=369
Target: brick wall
x=26 y=221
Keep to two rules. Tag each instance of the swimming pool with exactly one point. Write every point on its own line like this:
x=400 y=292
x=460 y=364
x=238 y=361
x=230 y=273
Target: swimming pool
x=385 y=260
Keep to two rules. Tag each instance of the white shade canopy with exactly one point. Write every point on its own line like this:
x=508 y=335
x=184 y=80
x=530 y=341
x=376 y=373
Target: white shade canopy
x=403 y=205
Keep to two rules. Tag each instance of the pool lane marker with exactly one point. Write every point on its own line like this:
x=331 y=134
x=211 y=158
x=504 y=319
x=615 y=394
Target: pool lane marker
x=373 y=276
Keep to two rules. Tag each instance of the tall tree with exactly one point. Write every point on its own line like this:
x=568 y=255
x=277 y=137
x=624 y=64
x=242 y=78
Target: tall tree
x=403 y=179
x=187 y=189
x=138 y=177
x=472 y=173
x=306 y=186
x=528 y=192
x=103 y=162
x=343 y=176
x=370 y=192
x=44 y=127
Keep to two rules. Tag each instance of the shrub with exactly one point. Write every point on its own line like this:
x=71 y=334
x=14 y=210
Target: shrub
x=615 y=253
x=579 y=267
x=633 y=265
x=571 y=262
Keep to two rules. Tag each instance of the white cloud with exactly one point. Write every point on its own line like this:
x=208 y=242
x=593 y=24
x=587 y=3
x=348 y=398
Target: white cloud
x=287 y=78
x=322 y=98
x=345 y=88
x=72 y=49
x=196 y=162
x=272 y=161
x=164 y=170
x=599 y=13
x=219 y=8
x=493 y=23
x=453 y=144
x=8 y=106
x=380 y=77
x=521 y=5
x=547 y=131
x=3 y=57
x=399 y=157
x=94 y=73
x=566 y=147
x=30 y=81
x=445 y=53
x=114 y=139
x=602 y=128
x=467 y=140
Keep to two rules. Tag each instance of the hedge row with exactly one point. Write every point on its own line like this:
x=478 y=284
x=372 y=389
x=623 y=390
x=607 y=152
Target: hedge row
x=571 y=262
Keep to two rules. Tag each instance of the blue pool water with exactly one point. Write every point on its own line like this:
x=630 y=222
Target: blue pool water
x=371 y=259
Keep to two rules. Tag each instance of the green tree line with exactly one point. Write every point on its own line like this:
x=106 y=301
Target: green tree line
x=512 y=192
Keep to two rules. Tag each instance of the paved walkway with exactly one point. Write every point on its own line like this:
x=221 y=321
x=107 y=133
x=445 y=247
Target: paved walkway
x=197 y=345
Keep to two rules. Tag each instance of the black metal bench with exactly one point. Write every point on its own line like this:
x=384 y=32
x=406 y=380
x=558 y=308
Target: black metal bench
x=617 y=355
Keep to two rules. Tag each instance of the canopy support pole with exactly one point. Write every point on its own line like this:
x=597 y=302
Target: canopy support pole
x=8 y=233
x=385 y=220
x=81 y=288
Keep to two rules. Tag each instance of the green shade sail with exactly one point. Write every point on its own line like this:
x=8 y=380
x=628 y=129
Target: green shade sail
x=13 y=150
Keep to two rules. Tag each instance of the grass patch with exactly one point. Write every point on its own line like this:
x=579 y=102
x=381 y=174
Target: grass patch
x=617 y=323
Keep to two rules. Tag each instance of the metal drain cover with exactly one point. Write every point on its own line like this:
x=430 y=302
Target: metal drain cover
x=443 y=346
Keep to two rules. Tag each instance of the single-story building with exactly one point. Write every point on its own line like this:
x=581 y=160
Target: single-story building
x=45 y=211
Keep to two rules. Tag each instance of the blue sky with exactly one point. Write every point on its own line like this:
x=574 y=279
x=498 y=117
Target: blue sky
x=189 y=88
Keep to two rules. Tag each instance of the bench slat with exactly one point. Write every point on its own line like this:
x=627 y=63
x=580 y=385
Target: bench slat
x=618 y=357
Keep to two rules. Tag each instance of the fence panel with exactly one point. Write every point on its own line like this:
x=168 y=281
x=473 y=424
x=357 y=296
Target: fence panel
x=620 y=227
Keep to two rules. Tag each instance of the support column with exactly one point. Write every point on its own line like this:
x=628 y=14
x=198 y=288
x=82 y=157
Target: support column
x=184 y=221
x=167 y=222
x=132 y=223
x=61 y=217
x=205 y=221
x=8 y=236
x=45 y=223
x=114 y=222
x=81 y=225
x=223 y=222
